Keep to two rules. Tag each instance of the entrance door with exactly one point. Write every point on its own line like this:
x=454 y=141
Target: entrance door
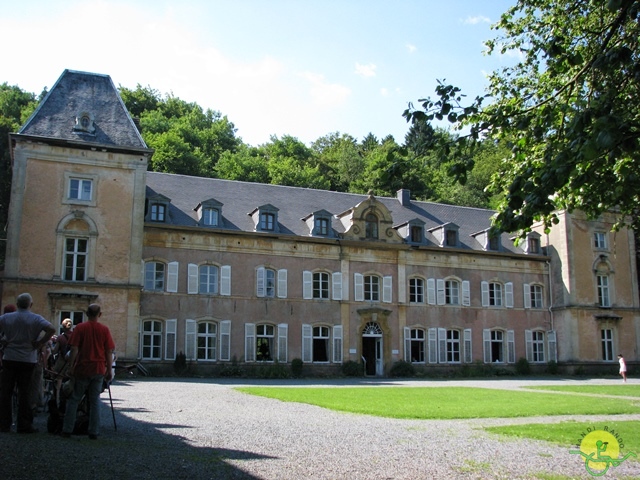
x=369 y=354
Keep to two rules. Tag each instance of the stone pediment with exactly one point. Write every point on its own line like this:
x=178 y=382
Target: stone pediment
x=358 y=222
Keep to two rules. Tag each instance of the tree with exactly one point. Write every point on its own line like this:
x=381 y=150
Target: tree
x=16 y=106
x=567 y=108
x=340 y=160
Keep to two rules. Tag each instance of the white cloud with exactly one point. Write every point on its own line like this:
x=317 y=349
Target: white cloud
x=323 y=93
x=475 y=20
x=384 y=92
x=411 y=48
x=366 y=71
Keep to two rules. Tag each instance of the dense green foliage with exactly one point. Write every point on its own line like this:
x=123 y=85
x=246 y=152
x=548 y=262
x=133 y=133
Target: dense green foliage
x=567 y=108
x=445 y=402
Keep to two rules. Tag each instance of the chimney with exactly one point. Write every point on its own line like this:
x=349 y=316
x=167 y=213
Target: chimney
x=404 y=197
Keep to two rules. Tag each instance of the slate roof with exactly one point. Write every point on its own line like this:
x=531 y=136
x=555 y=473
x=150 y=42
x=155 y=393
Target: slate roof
x=78 y=92
x=295 y=203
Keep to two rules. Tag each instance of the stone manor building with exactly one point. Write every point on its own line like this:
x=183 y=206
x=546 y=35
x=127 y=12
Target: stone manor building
x=251 y=274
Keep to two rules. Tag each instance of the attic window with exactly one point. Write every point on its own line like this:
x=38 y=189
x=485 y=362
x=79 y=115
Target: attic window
x=265 y=218
x=84 y=123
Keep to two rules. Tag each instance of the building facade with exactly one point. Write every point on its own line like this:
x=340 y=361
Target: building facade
x=242 y=273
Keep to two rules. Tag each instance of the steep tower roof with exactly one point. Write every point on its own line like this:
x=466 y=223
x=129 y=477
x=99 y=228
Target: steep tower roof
x=84 y=108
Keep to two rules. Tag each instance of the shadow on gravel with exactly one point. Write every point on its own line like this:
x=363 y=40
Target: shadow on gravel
x=139 y=450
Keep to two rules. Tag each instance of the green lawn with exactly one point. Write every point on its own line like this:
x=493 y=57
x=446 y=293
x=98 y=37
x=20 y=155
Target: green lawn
x=621 y=390
x=568 y=434
x=445 y=402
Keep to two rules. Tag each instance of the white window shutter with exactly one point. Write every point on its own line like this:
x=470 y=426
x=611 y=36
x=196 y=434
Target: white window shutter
x=387 y=283
x=442 y=345
x=440 y=298
x=307 y=285
x=485 y=295
x=307 y=343
x=486 y=340
x=282 y=283
x=192 y=282
x=249 y=342
x=225 y=280
x=528 y=340
x=337 y=344
x=551 y=342
x=260 y=281
x=431 y=291
x=511 y=346
x=468 y=354
x=172 y=277
x=358 y=287
x=225 y=340
x=170 y=339
x=336 y=280
x=407 y=344
x=466 y=293
x=508 y=294
x=283 y=333
x=190 y=340
x=527 y=295
x=433 y=345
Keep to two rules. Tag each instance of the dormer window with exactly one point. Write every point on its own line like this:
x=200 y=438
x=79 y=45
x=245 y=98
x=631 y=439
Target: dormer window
x=210 y=217
x=371 y=226
x=532 y=245
x=412 y=231
x=416 y=235
x=446 y=235
x=157 y=209
x=209 y=213
x=319 y=224
x=488 y=240
x=265 y=218
x=84 y=123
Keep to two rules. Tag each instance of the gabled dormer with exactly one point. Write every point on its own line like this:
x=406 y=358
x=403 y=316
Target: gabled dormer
x=265 y=218
x=209 y=213
x=446 y=234
x=157 y=208
x=532 y=244
x=412 y=232
x=370 y=220
x=489 y=241
x=319 y=224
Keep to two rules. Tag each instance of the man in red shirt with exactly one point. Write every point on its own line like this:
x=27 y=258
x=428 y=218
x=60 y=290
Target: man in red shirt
x=91 y=354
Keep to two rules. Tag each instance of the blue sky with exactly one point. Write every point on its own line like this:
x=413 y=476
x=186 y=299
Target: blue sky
x=303 y=68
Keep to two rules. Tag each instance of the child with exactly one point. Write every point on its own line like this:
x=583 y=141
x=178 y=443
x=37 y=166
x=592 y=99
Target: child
x=623 y=368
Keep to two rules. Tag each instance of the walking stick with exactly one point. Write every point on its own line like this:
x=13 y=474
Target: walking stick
x=113 y=413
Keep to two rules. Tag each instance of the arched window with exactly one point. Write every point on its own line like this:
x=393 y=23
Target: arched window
x=371 y=226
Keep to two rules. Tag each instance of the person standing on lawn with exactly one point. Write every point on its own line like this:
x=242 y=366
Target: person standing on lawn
x=90 y=365
x=623 y=368
x=25 y=333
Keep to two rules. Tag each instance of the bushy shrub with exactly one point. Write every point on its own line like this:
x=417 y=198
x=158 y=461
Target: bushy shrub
x=552 y=367
x=402 y=368
x=523 y=367
x=352 y=369
x=296 y=367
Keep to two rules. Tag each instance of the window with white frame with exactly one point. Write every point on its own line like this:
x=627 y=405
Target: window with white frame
x=80 y=189
x=497 y=348
x=606 y=341
x=416 y=290
x=267 y=221
x=452 y=292
x=75 y=259
x=492 y=294
x=320 y=285
x=151 y=340
x=210 y=216
x=372 y=288
x=453 y=346
x=208 y=276
x=266 y=343
x=449 y=345
x=495 y=294
x=154 y=276
x=600 y=240
x=415 y=345
x=368 y=288
x=321 y=226
x=533 y=296
x=535 y=346
x=157 y=212
x=271 y=283
x=321 y=343
x=207 y=340
x=602 y=283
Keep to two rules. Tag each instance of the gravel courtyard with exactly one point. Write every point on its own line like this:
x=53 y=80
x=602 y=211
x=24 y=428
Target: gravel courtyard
x=204 y=429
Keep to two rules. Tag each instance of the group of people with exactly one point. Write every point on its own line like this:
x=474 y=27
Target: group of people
x=89 y=364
